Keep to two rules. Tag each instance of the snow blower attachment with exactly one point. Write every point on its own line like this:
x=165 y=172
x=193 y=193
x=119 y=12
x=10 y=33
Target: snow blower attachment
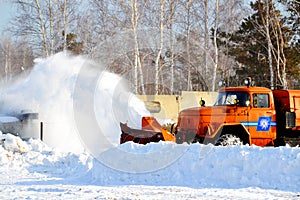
x=151 y=131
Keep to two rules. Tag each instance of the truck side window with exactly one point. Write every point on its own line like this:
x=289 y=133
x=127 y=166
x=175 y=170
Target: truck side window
x=261 y=100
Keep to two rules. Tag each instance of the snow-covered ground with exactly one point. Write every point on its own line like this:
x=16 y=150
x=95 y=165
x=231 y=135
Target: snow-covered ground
x=81 y=106
x=32 y=170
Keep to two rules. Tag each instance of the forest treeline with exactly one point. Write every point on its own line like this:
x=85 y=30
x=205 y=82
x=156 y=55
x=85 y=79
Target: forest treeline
x=162 y=46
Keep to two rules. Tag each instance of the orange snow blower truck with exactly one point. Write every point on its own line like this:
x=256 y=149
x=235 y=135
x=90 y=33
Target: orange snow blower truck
x=241 y=115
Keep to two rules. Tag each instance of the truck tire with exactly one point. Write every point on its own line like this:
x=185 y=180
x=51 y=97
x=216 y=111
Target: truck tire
x=229 y=139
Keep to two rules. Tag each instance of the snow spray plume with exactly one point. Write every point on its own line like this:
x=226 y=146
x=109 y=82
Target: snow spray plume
x=98 y=122
x=101 y=101
x=48 y=90
x=120 y=46
x=81 y=106
x=123 y=105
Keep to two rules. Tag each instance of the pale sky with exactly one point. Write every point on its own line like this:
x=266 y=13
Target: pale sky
x=5 y=13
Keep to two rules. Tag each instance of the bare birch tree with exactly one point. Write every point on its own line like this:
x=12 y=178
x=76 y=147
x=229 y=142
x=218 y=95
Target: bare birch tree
x=172 y=7
x=40 y=22
x=42 y=27
x=126 y=18
x=135 y=20
x=280 y=43
x=215 y=45
x=51 y=31
x=161 y=45
x=267 y=26
x=15 y=58
x=65 y=25
x=95 y=26
x=206 y=38
x=272 y=28
x=7 y=52
x=188 y=31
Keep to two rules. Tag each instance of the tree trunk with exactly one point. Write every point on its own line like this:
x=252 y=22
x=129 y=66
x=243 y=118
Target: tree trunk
x=171 y=49
x=188 y=45
x=51 y=27
x=161 y=44
x=281 y=59
x=216 y=47
x=206 y=41
x=269 y=46
x=65 y=24
x=134 y=27
x=43 y=30
x=138 y=73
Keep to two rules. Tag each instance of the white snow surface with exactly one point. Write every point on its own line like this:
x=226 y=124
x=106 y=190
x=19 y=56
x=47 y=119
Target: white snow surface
x=33 y=170
x=80 y=157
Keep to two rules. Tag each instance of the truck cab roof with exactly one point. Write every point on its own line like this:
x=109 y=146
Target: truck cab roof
x=245 y=89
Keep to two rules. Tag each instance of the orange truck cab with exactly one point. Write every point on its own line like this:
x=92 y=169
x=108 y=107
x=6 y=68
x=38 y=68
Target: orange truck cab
x=243 y=115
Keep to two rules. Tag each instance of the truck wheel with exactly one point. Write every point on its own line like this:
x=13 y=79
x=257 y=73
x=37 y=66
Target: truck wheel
x=228 y=139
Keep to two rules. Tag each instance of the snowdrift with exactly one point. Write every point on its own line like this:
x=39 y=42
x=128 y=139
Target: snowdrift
x=208 y=166
x=199 y=166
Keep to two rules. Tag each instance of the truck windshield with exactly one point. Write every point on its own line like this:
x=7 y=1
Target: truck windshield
x=233 y=98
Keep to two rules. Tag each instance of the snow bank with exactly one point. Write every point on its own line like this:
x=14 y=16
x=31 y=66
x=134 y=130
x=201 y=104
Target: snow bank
x=80 y=104
x=207 y=166
x=199 y=166
x=13 y=144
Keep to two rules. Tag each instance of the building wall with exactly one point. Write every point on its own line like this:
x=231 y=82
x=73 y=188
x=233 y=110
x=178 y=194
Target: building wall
x=168 y=106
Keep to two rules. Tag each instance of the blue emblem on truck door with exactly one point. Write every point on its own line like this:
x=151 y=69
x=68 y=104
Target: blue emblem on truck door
x=264 y=124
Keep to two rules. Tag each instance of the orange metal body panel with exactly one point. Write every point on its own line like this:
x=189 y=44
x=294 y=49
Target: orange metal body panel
x=289 y=101
x=204 y=122
x=150 y=123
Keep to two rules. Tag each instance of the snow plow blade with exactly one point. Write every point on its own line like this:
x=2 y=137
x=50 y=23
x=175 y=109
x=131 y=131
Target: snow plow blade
x=151 y=131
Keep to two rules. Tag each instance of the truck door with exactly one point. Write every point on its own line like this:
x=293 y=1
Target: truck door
x=261 y=120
